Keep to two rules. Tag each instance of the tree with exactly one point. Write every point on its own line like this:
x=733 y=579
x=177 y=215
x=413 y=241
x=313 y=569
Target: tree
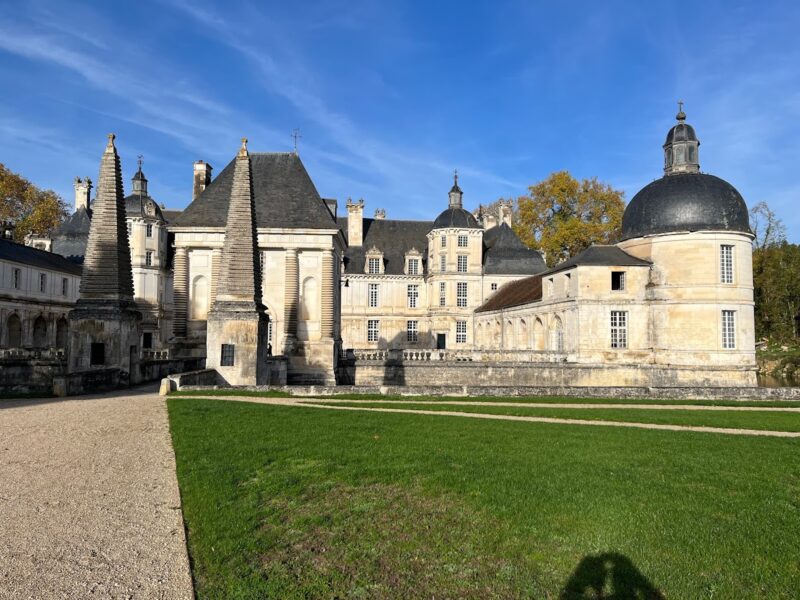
x=31 y=209
x=562 y=216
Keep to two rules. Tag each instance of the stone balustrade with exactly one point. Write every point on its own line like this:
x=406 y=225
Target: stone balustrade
x=33 y=354
x=432 y=355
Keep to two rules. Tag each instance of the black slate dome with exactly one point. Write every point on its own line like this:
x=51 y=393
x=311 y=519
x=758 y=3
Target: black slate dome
x=685 y=202
x=456 y=217
x=682 y=132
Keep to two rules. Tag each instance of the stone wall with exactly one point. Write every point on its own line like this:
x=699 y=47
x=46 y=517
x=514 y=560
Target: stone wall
x=26 y=374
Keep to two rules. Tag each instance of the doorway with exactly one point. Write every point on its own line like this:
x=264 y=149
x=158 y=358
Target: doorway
x=440 y=341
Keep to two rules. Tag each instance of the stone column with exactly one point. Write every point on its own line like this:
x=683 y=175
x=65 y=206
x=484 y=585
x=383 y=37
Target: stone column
x=291 y=297
x=180 y=291
x=328 y=301
x=216 y=256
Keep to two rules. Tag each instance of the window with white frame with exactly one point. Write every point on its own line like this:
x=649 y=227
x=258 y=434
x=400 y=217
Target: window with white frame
x=462 y=263
x=461 y=332
x=443 y=263
x=619 y=329
x=726 y=264
x=461 y=294
x=442 y=293
x=413 y=266
x=463 y=241
x=148 y=259
x=373 y=329
x=444 y=241
x=42 y=282
x=374 y=266
x=413 y=295
x=64 y=286
x=729 y=329
x=412 y=331
x=17 y=278
x=372 y=294
x=494 y=287
x=149 y=230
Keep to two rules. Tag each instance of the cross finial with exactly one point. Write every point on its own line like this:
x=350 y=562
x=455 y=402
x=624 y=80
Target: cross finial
x=296 y=136
x=681 y=116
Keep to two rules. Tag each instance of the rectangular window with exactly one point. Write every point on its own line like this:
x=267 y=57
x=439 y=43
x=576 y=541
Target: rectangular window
x=17 y=278
x=373 y=295
x=97 y=354
x=567 y=284
x=729 y=329
x=726 y=264
x=463 y=241
x=617 y=281
x=494 y=287
x=413 y=295
x=619 y=329
x=413 y=266
x=227 y=356
x=148 y=259
x=461 y=332
x=442 y=293
x=461 y=294
x=149 y=230
x=147 y=340
x=443 y=263
x=372 y=330
x=462 y=263
x=412 y=331
x=444 y=241
x=64 y=286
x=550 y=288
x=42 y=282
x=374 y=266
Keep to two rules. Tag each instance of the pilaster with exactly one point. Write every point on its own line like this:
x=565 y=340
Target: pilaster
x=180 y=291
x=291 y=298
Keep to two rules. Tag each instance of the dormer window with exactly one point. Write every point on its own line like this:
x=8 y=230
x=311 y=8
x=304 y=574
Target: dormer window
x=374 y=264
x=413 y=262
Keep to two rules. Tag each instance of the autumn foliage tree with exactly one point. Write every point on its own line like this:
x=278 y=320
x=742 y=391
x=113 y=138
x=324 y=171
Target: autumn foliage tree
x=32 y=209
x=562 y=216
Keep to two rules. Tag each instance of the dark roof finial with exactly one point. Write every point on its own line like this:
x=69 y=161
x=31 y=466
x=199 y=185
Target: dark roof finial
x=139 y=160
x=455 y=177
x=681 y=116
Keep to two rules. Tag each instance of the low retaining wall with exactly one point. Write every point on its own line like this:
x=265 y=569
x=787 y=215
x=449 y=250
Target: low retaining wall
x=27 y=375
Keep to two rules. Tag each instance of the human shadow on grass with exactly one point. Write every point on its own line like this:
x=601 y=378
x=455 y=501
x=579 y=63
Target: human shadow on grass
x=608 y=576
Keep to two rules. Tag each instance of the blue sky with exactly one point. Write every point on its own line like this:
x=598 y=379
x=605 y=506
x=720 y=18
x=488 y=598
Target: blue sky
x=391 y=97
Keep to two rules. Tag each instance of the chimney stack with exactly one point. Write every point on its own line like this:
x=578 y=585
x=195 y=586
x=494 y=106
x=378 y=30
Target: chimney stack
x=355 y=222
x=380 y=214
x=506 y=212
x=202 y=177
x=83 y=189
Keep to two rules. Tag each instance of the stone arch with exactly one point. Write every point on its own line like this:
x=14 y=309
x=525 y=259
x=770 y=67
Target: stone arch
x=14 y=331
x=522 y=335
x=538 y=335
x=557 y=334
x=309 y=300
x=508 y=335
x=40 y=332
x=62 y=330
x=496 y=338
x=479 y=335
x=200 y=297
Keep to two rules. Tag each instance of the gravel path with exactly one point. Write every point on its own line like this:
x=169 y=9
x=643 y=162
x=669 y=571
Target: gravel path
x=89 y=502
x=309 y=403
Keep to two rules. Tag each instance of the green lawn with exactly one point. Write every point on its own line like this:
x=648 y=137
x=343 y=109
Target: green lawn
x=290 y=502
x=772 y=421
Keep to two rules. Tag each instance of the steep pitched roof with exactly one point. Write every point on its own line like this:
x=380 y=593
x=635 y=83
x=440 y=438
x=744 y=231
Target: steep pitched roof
x=393 y=238
x=284 y=194
x=514 y=293
x=41 y=259
x=601 y=256
x=505 y=254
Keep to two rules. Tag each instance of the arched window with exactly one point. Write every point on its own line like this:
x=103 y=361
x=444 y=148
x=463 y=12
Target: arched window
x=538 y=335
x=522 y=337
x=61 y=333
x=557 y=335
x=199 y=298
x=40 y=332
x=309 y=300
x=14 y=329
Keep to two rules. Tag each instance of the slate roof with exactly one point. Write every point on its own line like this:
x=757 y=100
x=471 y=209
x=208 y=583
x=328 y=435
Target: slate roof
x=33 y=257
x=600 y=256
x=393 y=238
x=170 y=214
x=456 y=217
x=505 y=254
x=135 y=203
x=284 y=196
x=72 y=235
x=514 y=293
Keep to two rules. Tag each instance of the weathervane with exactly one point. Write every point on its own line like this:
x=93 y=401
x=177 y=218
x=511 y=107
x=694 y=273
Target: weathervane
x=139 y=160
x=296 y=136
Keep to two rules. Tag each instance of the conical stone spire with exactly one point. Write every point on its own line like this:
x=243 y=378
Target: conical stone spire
x=107 y=264
x=240 y=268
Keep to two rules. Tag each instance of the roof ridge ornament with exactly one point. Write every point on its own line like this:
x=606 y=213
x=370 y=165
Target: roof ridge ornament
x=110 y=146
x=681 y=116
x=243 y=149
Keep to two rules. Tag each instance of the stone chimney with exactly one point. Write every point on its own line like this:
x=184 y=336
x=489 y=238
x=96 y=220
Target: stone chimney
x=506 y=211
x=380 y=214
x=489 y=221
x=202 y=177
x=83 y=190
x=355 y=222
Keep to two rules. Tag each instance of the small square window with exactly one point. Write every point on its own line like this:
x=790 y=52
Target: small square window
x=463 y=241
x=617 y=281
x=97 y=354
x=494 y=287
x=227 y=357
